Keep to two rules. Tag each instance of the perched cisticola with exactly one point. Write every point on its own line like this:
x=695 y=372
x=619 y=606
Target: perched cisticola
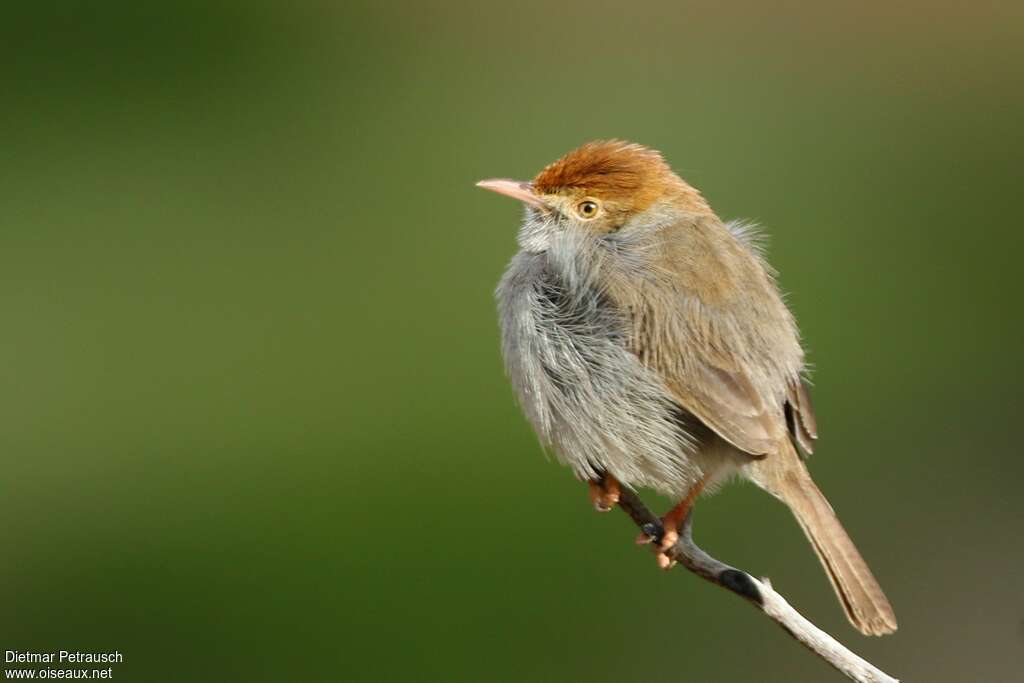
x=649 y=346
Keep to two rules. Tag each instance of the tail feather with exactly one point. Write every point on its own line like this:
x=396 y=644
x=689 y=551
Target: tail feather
x=859 y=593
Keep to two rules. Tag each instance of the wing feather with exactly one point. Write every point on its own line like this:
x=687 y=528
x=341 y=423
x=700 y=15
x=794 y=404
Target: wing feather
x=804 y=427
x=713 y=325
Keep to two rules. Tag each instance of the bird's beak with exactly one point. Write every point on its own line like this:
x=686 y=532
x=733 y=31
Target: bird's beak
x=515 y=189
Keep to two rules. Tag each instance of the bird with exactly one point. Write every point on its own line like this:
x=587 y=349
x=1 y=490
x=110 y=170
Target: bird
x=648 y=345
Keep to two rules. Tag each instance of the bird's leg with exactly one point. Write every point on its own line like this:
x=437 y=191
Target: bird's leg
x=604 y=493
x=671 y=523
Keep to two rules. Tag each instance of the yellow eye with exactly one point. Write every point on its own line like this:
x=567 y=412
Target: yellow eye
x=587 y=208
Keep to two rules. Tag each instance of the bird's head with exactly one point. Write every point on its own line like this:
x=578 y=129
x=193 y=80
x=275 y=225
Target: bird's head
x=601 y=188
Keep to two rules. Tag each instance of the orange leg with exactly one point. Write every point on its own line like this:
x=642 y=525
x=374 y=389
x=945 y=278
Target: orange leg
x=671 y=522
x=604 y=494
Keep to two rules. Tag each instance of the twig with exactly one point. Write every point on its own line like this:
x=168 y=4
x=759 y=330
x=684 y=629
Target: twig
x=759 y=593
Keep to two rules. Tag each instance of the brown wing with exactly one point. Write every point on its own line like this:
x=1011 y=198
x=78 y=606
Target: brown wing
x=712 y=313
x=803 y=426
x=727 y=402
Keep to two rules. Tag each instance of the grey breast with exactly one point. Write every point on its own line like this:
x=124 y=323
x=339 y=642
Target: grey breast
x=589 y=398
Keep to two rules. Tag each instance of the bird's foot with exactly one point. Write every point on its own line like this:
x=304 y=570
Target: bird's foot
x=604 y=494
x=670 y=524
x=669 y=537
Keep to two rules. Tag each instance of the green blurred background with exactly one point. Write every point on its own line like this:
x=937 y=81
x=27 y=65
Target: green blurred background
x=255 y=425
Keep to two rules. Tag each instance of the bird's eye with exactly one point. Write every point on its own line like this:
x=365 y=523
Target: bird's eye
x=587 y=208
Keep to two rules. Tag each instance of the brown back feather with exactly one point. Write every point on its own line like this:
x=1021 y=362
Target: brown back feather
x=715 y=329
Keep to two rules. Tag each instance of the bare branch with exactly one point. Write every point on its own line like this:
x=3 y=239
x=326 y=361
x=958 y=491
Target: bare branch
x=759 y=593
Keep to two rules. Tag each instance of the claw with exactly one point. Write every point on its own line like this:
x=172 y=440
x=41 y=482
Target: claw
x=604 y=495
x=670 y=523
x=668 y=539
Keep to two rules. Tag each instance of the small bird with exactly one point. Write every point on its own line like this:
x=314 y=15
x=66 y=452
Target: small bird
x=649 y=346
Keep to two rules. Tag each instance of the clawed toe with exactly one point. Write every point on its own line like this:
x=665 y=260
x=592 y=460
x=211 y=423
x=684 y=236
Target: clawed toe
x=664 y=561
x=671 y=523
x=668 y=539
x=604 y=495
x=606 y=502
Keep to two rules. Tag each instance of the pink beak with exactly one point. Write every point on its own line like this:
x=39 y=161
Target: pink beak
x=515 y=189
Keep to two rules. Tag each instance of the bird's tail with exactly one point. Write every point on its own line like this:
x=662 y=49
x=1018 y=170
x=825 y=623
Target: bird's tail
x=859 y=593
